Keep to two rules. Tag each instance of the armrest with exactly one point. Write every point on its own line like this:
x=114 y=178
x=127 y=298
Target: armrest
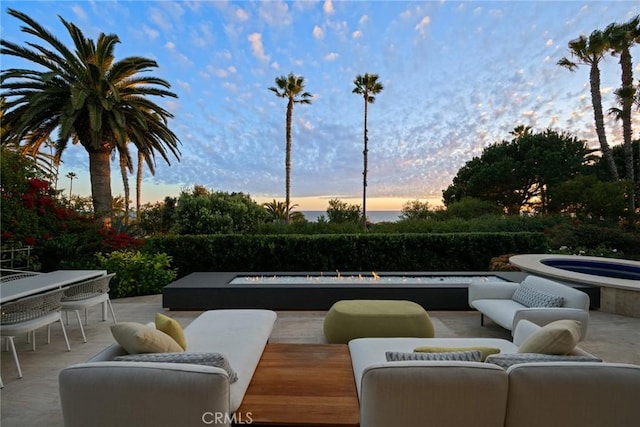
x=543 y=315
x=491 y=290
x=142 y=394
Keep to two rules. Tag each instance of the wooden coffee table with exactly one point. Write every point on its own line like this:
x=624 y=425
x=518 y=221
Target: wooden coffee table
x=303 y=385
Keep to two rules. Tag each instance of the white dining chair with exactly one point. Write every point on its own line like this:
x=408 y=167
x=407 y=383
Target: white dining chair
x=28 y=314
x=15 y=275
x=86 y=294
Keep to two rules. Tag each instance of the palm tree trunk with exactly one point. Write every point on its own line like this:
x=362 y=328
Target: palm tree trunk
x=365 y=153
x=596 y=100
x=139 y=182
x=100 y=171
x=627 y=95
x=287 y=161
x=125 y=184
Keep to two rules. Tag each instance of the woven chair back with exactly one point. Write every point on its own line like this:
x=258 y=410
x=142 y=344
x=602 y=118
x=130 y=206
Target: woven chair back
x=88 y=289
x=31 y=307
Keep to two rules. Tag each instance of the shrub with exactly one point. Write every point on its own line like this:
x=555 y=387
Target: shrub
x=137 y=273
x=344 y=252
x=202 y=212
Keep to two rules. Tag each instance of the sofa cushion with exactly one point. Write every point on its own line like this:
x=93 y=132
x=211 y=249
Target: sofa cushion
x=485 y=351
x=137 y=338
x=529 y=296
x=172 y=328
x=465 y=356
x=207 y=359
x=365 y=352
x=506 y=360
x=559 y=337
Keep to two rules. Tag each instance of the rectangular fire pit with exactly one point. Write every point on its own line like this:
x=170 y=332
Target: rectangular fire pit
x=319 y=291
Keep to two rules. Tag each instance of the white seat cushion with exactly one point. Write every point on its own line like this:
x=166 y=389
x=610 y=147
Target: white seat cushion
x=372 y=351
x=502 y=310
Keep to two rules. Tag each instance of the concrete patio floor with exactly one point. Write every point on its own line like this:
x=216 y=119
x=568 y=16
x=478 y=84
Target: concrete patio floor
x=33 y=400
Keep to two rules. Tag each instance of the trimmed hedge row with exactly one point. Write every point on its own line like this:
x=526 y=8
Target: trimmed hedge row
x=344 y=252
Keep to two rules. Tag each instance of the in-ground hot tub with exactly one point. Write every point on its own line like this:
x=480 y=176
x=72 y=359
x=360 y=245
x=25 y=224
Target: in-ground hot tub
x=618 y=279
x=599 y=268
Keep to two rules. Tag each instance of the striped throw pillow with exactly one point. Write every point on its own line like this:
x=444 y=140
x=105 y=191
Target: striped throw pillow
x=465 y=356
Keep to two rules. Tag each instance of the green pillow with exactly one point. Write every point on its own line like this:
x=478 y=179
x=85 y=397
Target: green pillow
x=172 y=328
x=486 y=351
x=559 y=337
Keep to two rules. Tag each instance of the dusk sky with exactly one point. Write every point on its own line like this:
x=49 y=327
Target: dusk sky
x=457 y=76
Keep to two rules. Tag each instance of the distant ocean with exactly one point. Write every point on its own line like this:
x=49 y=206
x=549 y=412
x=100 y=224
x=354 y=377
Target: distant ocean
x=374 y=216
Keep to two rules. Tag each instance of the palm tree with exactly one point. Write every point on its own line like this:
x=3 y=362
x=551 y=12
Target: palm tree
x=290 y=87
x=89 y=97
x=71 y=177
x=367 y=85
x=278 y=211
x=621 y=38
x=590 y=51
x=139 y=182
x=125 y=168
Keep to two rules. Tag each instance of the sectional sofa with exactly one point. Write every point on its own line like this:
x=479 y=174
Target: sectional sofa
x=462 y=393
x=104 y=392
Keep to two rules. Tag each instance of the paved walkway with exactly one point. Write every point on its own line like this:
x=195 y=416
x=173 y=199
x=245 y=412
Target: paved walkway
x=33 y=400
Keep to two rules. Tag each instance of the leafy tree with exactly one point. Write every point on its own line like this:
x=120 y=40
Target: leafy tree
x=291 y=88
x=217 y=213
x=588 y=197
x=367 y=85
x=158 y=218
x=521 y=172
x=415 y=210
x=340 y=212
x=88 y=97
x=470 y=207
x=589 y=50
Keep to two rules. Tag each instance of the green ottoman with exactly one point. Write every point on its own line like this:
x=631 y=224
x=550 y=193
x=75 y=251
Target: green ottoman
x=351 y=319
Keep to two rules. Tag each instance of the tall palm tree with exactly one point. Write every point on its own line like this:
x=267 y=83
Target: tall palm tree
x=71 y=177
x=367 y=85
x=139 y=182
x=590 y=51
x=290 y=87
x=621 y=38
x=89 y=97
x=125 y=168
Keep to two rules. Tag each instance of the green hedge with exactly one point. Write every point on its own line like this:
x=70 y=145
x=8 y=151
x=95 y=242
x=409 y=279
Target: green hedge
x=344 y=252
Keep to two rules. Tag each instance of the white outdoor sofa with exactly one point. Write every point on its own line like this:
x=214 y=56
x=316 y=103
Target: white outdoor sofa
x=496 y=301
x=480 y=394
x=103 y=392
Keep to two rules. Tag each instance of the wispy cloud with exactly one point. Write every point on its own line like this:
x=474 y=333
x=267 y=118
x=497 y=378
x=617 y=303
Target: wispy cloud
x=255 y=39
x=423 y=24
x=331 y=56
x=318 y=32
x=275 y=13
x=328 y=7
x=79 y=12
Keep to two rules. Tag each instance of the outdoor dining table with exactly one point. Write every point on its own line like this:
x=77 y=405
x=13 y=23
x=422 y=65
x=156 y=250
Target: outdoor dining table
x=39 y=283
